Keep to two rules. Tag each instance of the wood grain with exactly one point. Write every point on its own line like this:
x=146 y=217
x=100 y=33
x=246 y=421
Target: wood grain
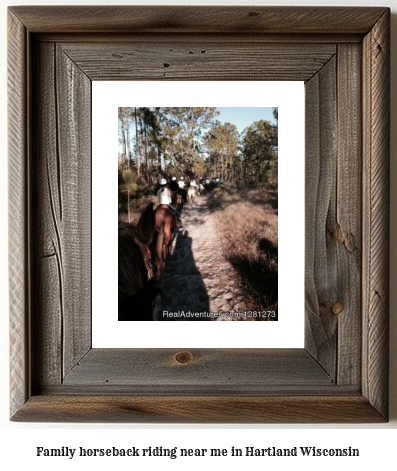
x=199 y=19
x=333 y=215
x=157 y=369
x=341 y=375
x=199 y=409
x=155 y=39
x=62 y=206
x=347 y=225
x=74 y=155
x=321 y=277
x=207 y=60
x=19 y=277
x=48 y=281
x=376 y=90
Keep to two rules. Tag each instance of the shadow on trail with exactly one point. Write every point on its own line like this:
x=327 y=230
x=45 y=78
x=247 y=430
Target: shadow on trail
x=184 y=291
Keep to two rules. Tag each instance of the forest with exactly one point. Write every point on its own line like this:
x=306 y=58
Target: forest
x=193 y=143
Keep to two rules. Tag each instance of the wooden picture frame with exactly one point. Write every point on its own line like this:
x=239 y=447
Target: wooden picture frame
x=342 y=54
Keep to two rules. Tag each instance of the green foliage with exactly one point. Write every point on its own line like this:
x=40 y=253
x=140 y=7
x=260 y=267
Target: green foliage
x=189 y=141
x=127 y=177
x=132 y=193
x=259 y=146
x=222 y=143
x=275 y=114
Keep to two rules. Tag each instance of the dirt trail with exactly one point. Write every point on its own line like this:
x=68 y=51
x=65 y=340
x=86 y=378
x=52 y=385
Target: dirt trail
x=197 y=278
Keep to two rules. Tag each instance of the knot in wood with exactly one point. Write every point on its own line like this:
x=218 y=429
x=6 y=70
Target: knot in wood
x=183 y=358
x=337 y=308
x=338 y=235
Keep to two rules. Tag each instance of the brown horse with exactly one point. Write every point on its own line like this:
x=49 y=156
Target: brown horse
x=176 y=199
x=136 y=276
x=166 y=223
x=183 y=194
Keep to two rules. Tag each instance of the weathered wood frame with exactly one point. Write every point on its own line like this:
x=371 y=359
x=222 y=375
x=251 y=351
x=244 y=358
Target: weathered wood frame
x=343 y=56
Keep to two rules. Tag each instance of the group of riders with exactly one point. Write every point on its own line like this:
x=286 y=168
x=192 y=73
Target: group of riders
x=168 y=194
x=175 y=193
x=175 y=188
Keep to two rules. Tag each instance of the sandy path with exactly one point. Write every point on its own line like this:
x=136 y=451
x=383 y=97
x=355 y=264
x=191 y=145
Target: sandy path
x=197 y=278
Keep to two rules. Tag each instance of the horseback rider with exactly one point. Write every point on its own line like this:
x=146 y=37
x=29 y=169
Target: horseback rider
x=164 y=195
x=181 y=183
x=182 y=190
x=174 y=185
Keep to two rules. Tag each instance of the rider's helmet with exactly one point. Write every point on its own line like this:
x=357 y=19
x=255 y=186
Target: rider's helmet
x=173 y=178
x=162 y=182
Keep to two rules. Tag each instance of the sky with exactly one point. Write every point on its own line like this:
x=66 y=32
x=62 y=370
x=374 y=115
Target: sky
x=244 y=117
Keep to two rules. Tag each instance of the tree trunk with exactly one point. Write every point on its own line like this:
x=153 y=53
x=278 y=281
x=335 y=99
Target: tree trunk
x=159 y=158
x=146 y=156
x=129 y=154
x=137 y=157
x=192 y=132
x=123 y=141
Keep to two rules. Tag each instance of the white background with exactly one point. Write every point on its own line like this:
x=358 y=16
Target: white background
x=376 y=442
x=288 y=332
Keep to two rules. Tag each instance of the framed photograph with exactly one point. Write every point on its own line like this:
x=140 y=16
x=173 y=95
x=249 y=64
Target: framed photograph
x=340 y=372
x=220 y=266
